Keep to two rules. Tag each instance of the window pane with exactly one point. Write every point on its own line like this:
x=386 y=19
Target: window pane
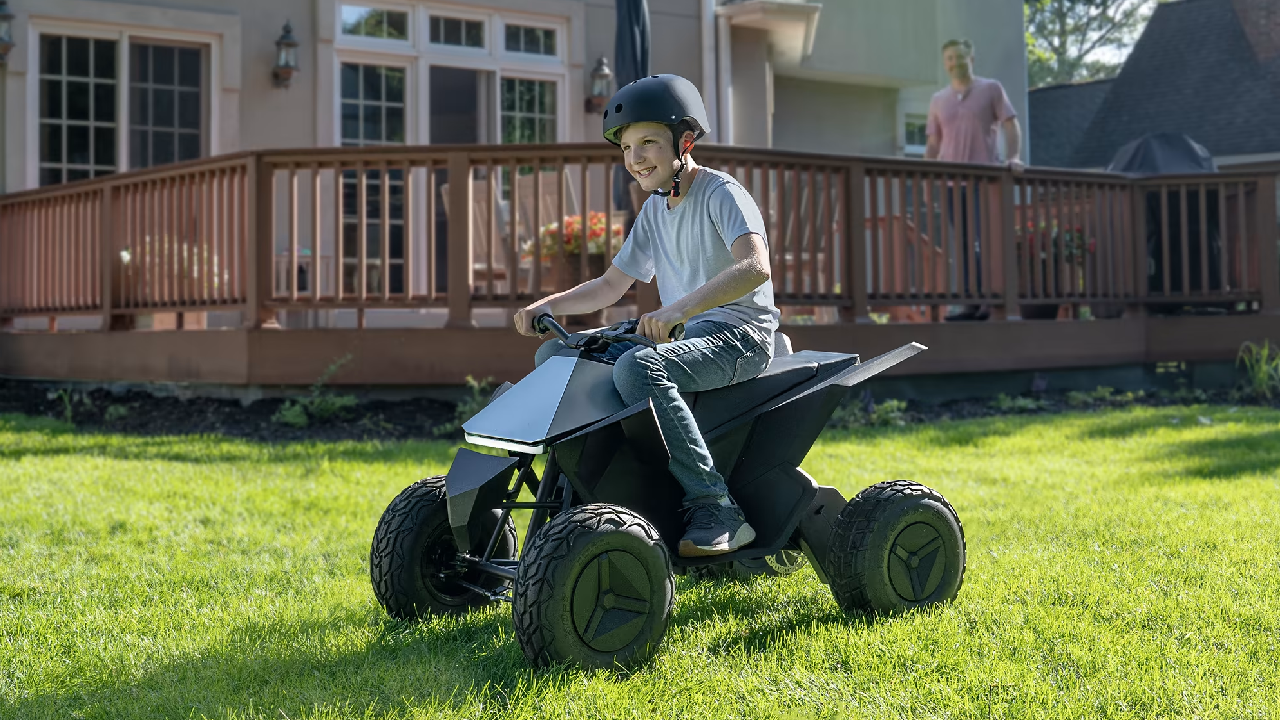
x=139 y=155
x=395 y=124
x=189 y=67
x=397 y=241
x=51 y=99
x=350 y=121
x=513 y=38
x=140 y=63
x=163 y=111
x=398 y=25
x=372 y=123
x=104 y=102
x=50 y=176
x=104 y=59
x=139 y=107
x=104 y=146
x=188 y=146
x=395 y=85
x=78 y=145
x=532 y=40
x=162 y=149
x=349 y=240
x=162 y=65
x=354 y=20
x=50 y=143
x=78 y=57
x=51 y=56
x=437 y=30
x=475 y=34
x=73 y=175
x=452 y=31
x=189 y=109
x=549 y=42
x=371 y=76
x=547 y=133
x=350 y=81
x=508 y=95
x=78 y=100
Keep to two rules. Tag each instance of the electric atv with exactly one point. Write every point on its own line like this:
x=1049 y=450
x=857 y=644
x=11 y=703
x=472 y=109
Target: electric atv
x=594 y=582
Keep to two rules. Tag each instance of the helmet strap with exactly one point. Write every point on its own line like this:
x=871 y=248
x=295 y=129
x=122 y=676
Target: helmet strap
x=675 y=179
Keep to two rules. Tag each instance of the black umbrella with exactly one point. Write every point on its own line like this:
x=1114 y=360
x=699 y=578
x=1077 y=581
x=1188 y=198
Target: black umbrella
x=631 y=62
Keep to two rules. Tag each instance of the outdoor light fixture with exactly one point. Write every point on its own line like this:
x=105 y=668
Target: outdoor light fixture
x=286 y=57
x=6 y=30
x=601 y=86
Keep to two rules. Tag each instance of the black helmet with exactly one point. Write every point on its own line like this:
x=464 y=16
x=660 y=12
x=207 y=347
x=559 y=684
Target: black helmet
x=665 y=99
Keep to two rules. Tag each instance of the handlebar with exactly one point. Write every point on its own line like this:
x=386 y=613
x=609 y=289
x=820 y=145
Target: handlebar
x=545 y=323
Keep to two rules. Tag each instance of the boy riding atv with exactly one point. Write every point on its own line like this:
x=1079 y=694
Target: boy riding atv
x=703 y=237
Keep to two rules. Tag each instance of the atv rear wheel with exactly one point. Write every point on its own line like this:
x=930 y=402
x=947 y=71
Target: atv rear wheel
x=895 y=546
x=412 y=561
x=594 y=588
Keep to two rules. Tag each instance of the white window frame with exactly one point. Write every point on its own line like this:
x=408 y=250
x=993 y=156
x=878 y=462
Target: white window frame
x=124 y=36
x=419 y=56
x=371 y=43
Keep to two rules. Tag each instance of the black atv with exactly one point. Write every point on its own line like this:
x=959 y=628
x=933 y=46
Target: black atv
x=594 y=583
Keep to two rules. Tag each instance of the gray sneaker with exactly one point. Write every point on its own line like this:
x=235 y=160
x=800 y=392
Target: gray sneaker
x=714 y=529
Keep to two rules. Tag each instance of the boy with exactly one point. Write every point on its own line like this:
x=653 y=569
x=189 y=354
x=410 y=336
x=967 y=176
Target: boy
x=703 y=237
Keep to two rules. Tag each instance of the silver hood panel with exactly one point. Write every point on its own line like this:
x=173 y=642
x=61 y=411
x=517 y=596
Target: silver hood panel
x=561 y=395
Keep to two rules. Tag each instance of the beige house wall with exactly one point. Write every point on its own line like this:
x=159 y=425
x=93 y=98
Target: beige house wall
x=872 y=62
x=825 y=117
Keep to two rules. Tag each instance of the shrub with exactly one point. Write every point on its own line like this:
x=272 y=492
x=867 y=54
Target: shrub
x=1262 y=370
x=468 y=407
x=1017 y=404
x=319 y=405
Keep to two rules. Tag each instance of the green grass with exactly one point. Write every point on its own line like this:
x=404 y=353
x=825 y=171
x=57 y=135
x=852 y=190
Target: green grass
x=1120 y=565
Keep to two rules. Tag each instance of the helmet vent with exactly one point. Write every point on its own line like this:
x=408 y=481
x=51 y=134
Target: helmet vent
x=617 y=108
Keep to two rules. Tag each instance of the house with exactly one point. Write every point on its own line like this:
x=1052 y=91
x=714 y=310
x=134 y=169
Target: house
x=93 y=87
x=1207 y=68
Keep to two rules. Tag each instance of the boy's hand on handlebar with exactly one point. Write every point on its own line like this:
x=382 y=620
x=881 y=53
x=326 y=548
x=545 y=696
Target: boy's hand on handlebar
x=524 y=319
x=658 y=324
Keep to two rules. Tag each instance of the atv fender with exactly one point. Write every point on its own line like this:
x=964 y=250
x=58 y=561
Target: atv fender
x=816 y=525
x=476 y=484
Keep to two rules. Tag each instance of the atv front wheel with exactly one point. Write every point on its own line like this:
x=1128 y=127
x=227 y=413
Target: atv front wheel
x=594 y=588
x=413 y=560
x=895 y=546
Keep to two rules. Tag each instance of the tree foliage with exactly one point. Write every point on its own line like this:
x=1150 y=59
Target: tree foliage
x=1073 y=40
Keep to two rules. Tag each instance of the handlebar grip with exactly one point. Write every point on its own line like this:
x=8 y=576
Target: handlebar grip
x=545 y=323
x=677 y=332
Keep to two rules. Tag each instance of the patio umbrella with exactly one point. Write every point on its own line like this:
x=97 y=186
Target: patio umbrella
x=630 y=62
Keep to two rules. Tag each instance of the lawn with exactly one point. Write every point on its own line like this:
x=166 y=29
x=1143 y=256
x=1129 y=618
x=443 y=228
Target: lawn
x=1121 y=564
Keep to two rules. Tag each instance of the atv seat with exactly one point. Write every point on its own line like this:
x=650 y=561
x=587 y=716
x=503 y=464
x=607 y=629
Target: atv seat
x=712 y=408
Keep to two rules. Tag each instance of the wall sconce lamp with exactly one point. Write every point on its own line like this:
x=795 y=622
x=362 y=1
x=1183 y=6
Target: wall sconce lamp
x=601 y=86
x=286 y=57
x=6 y=30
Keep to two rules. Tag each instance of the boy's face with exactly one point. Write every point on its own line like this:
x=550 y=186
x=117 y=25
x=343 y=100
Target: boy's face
x=649 y=155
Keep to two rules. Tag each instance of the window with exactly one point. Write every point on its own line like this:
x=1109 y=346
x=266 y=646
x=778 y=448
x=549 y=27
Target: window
x=77 y=108
x=456 y=31
x=373 y=109
x=370 y=22
x=373 y=105
x=166 y=117
x=915 y=135
x=532 y=40
x=528 y=111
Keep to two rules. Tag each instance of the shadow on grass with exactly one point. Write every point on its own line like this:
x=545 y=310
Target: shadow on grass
x=288 y=669
x=43 y=437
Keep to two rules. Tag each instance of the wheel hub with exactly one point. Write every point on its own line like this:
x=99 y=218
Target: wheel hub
x=611 y=601
x=916 y=562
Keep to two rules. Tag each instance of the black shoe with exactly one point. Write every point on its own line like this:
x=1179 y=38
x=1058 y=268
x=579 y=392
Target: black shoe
x=714 y=529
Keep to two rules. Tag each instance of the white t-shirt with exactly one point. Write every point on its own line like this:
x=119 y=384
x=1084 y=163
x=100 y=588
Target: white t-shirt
x=688 y=246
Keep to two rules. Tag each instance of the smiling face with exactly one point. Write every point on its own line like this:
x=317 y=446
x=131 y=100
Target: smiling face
x=649 y=154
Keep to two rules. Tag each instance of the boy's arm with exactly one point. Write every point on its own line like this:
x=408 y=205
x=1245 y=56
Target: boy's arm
x=587 y=297
x=749 y=271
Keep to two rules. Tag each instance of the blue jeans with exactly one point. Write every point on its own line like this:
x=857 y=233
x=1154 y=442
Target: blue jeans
x=711 y=355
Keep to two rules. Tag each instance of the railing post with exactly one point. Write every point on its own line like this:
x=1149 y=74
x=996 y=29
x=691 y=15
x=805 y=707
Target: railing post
x=1008 y=239
x=459 y=249
x=261 y=240
x=1138 y=248
x=855 y=243
x=106 y=252
x=1268 y=228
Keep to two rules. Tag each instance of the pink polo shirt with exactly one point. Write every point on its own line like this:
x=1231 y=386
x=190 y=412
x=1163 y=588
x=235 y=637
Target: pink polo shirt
x=967 y=123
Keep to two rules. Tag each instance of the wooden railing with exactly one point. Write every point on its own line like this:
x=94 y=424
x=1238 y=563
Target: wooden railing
x=461 y=227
